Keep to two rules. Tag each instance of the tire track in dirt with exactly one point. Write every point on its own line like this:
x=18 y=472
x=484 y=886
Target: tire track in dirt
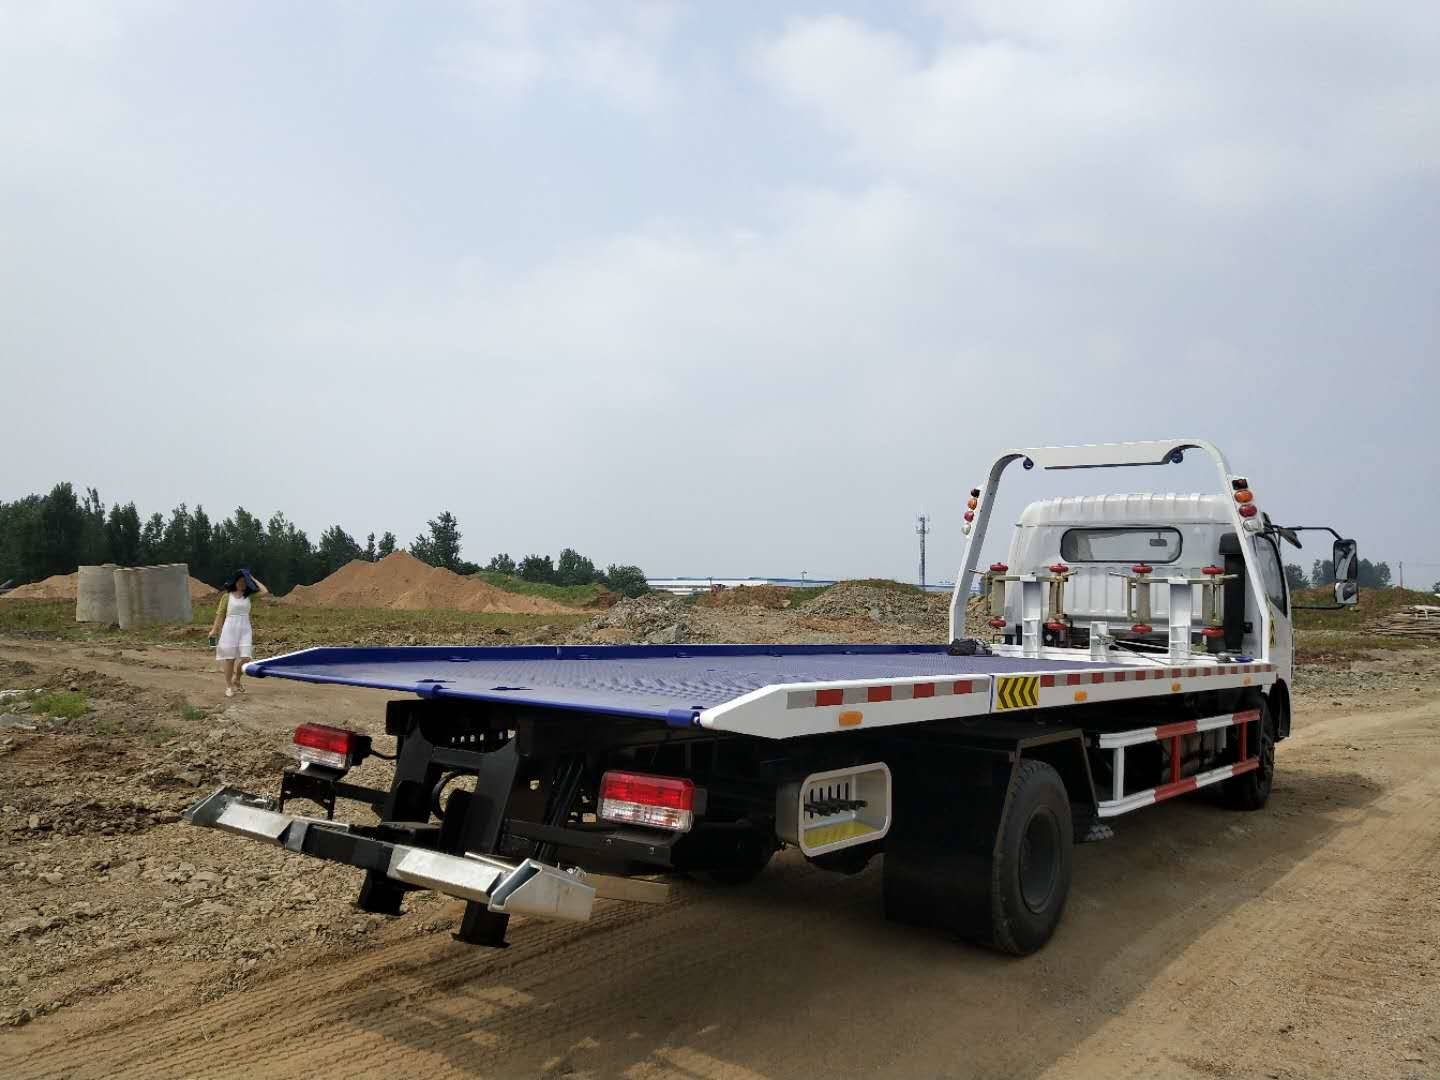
x=1193 y=938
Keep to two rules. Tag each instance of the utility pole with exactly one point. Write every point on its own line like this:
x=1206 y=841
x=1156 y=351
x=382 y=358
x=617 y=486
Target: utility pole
x=1402 y=575
x=922 y=527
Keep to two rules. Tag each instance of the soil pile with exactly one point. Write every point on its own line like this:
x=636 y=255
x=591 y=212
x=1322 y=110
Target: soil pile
x=861 y=600
x=67 y=587
x=653 y=619
x=200 y=591
x=59 y=587
x=403 y=582
x=763 y=596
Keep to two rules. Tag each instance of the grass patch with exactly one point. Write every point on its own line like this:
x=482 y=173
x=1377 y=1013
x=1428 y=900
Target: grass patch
x=1375 y=606
x=571 y=595
x=1324 y=646
x=282 y=627
x=107 y=726
x=63 y=704
x=159 y=734
x=191 y=713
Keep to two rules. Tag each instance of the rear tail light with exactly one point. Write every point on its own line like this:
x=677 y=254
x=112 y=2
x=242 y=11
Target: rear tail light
x=1249 y=510
x=658 y=802
x=335 y=748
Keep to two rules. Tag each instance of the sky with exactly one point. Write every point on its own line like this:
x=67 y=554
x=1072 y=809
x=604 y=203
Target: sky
x=718 y=289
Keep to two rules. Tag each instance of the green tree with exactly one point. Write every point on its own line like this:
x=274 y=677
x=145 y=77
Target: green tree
x=386 y=547
x=202 y=548
x=572 y=568
x=122 y=528
x=370 y=548
x=1295 y=576
x=152 y=539
x=502 y=564
x=95 y=542
x=175 y=542
x=442 y=546
x=626 y=580
x=536 y=568
x=336 y=548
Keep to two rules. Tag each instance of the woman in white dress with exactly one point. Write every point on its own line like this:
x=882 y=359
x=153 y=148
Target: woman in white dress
x=235 y=644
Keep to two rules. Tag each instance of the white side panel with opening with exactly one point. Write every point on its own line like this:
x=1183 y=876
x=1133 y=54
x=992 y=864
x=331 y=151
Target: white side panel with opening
x=830 y=811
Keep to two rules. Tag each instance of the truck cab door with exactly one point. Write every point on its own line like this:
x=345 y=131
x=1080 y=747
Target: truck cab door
x=1282 y=637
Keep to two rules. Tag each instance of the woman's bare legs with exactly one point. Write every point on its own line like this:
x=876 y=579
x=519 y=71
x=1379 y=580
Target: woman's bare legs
x=229 y=677
x=240 y=671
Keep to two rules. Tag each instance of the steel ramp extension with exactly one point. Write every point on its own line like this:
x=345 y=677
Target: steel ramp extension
x=525 y=888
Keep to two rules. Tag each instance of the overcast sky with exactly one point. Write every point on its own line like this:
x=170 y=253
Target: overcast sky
x=721 y=288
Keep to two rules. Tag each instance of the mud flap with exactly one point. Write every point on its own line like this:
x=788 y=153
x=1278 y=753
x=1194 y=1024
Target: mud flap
x=940 y=854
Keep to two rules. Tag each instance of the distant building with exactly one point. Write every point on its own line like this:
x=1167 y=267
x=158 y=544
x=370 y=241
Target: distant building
x=685 y=586
x=688 y=586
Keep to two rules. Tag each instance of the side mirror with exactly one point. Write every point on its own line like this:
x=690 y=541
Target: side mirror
x=1346 y=559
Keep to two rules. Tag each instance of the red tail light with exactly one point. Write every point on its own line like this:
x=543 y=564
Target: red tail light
x=659 y=802
x=1249 y=510
x=333 y=747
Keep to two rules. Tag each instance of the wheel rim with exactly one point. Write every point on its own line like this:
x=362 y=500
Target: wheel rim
x=1039 y=860
x=1267 y=752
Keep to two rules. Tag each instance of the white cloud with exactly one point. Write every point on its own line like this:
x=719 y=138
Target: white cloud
x=1245 y=107
x=514 y=47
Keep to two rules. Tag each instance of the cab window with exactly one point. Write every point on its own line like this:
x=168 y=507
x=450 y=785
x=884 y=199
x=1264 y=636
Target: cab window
x=1122 y=545
x=1271 y=572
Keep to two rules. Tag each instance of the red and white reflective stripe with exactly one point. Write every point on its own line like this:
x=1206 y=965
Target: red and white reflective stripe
x=1140 y=674
x=1116 y=739
x=890 y=691
x=1179 y=787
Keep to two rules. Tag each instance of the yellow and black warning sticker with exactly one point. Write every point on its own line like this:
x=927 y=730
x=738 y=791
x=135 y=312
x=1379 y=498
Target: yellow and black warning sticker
x=1017 y=692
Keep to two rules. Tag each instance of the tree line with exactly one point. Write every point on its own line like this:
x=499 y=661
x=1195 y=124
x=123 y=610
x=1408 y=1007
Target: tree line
x=43 y=535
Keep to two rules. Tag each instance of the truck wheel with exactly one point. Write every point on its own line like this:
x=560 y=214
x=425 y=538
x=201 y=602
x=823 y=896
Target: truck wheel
x=1030 y=877
x=1251 y=790
x=984 y=852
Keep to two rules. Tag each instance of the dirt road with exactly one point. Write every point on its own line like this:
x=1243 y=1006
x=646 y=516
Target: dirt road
x=1298 y=942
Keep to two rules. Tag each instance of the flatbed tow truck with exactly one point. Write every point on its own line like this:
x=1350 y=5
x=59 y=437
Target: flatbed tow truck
x=1143 y=652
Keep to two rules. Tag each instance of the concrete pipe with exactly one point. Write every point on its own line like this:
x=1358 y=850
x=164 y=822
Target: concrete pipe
x=126 y=597
x=178 y=593
x=95 y=595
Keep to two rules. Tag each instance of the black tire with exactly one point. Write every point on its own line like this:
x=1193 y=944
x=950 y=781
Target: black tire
x=1030 y=876
x=1251 y=790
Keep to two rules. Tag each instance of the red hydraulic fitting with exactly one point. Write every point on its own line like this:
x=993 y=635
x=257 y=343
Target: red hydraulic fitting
x=998 y=568
x=1212 y=570
x=1142 y=628
x=1058 y=568
x=1212 y=632
x=1055 y=627
x=998 y=624
x=1143 y=568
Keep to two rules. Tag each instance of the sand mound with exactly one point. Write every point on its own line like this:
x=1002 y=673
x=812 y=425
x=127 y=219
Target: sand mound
x=200 y=591
x=404 y=582
x=59 y=587
x=67 y=587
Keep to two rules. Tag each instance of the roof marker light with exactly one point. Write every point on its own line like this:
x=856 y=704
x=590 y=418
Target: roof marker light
x=1249 y=510
x=1244 y=495
x=973 y=502
x=969 y=515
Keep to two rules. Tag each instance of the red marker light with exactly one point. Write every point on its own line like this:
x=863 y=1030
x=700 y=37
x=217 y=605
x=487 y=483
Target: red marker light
x=660 y=802
x=1249 y=510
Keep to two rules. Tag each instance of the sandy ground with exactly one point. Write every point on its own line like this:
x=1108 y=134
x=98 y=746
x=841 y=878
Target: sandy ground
x=1302 y=941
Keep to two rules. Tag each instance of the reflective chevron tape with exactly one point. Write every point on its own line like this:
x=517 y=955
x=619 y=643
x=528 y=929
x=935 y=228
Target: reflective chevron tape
x=860 y=695
x=1017 y=692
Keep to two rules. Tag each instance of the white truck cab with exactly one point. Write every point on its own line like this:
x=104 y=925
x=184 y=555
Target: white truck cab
x=1179 y=577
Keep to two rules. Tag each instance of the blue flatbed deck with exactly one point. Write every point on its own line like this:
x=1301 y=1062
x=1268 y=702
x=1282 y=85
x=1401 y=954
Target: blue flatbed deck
x=672 y=684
